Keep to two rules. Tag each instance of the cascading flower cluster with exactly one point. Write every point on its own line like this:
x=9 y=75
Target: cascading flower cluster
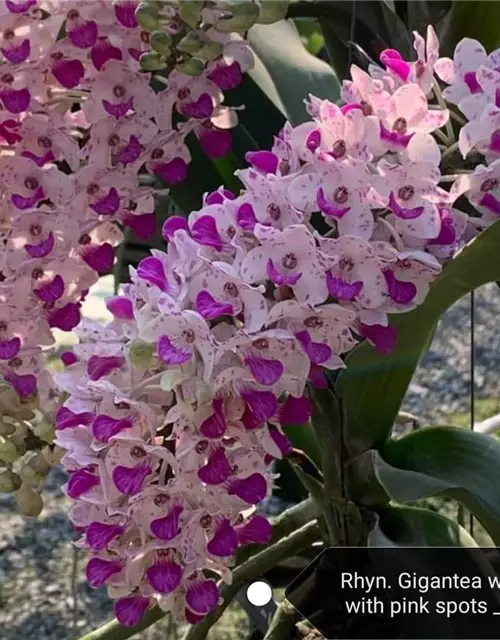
x=79 y=122
x=177 y=409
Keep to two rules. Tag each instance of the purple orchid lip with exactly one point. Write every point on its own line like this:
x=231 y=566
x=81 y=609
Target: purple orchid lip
x=246 y=217
x=215 y=425
x=328 y=208
x=119 y=109
x=204 y=231
x=108 y=204
x=403 y=212
x=383 y=338
x=488 y=201
x=210 y=308
x=18 y=54
x=279 y=278
x=400 y=291
x=170 y=354
x=225 y=541
x=15 y=101
x=68 y=72
x=264 y=161
x=172 y=172
x=164 y=576
x=167 y=528
x=341 y=289
x=265 y=371
x=313 y=140
x=41 y=249
x=129 y=611
x=470 y=80
x=83 y=34
x=447 y=234
x=226 y=76
x=257 y=530
x=495 y=142
x=9 y=348
x=200 y=109
x=103 y=51
x=19 y=7
x=394 y=137
x=395 y=63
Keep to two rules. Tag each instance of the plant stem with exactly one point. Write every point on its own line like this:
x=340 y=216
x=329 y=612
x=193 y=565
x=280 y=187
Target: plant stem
x=442 y=104
x=450 y=151
x=458 y=118
x=283 y=622
x=254 y=568
x=253 y=561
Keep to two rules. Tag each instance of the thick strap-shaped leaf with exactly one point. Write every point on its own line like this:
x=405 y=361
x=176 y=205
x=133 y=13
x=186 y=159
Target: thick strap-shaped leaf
x=477 y=20
x=373 y=385
x=293 y=71
x=403 y=526
x=446 y=461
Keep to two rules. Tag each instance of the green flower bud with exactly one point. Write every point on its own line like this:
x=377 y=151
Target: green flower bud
x=39 y=464
x=190 y=43
x=9 y=481
x=8 y=451
x=141 y=354
x=45 y=431
x=160 y=42
x=210 y=51
x=30 y=476
x=6 y=428
x=152 y=61
x=243 y=16
x=147 y=16
x=190 y=11
x=192 y=67
x=28 y=501
x=271 y=11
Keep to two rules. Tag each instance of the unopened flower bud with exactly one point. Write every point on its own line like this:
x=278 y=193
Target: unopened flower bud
x=192 y=67
x=45 y=431
x=152 y=61
x=243 y=16
x=190 y=43
x=190 y=11
x=147 y=16
x=141 y=354
x=8 y=451
x=271 y=11
x=6 y=428
x=9 y=481
x=30 y=476
x=160 y=42
x=39 y=463
x=28 y=501
x=210 y=51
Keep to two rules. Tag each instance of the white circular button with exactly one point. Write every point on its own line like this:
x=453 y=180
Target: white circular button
x=259 y=594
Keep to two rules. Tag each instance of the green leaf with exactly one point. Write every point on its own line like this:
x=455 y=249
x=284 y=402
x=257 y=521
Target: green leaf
x=373 y=25
x=302 y=437
x=447 y=461
x=472 y=20
x=411 y=526
x=424 y=12
x=257 y=126
x=373 y=385
x=292 y=72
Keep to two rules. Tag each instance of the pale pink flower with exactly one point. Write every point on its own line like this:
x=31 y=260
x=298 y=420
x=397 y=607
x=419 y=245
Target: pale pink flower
x=341 y=191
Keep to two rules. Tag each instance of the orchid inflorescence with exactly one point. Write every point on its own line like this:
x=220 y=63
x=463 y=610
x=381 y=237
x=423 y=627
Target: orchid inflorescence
x=176 y=409
x=80 y=125
x=172 y=415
